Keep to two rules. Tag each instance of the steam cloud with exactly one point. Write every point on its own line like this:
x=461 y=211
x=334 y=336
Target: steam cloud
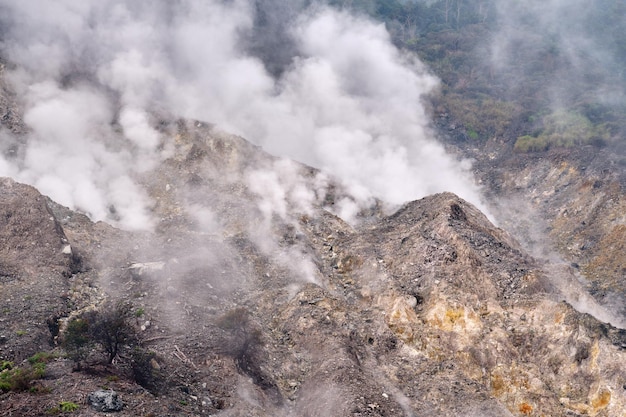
x=585 y=51
x=92 y=76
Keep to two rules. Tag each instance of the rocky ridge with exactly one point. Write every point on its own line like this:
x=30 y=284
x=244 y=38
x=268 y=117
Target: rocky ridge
x=252 y=310
x=564 y=204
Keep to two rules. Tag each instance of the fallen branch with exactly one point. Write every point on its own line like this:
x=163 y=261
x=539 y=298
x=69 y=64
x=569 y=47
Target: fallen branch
x=180 y=355
x=153 y=339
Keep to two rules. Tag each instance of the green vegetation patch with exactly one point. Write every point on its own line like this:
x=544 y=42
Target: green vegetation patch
x=20 y=379
x=527 y=143
x=68 y=406
x=483 y=117
x=41 y=357
x=563 y=129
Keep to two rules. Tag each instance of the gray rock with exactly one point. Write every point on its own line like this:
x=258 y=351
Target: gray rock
x=105 y=401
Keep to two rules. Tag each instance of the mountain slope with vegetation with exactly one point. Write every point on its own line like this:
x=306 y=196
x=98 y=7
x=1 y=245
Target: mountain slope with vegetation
x=541 y=70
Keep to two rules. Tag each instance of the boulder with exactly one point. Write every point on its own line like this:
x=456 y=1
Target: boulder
x=105 y=401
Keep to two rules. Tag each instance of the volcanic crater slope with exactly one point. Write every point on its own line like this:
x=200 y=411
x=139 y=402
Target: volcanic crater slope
x=246 y=311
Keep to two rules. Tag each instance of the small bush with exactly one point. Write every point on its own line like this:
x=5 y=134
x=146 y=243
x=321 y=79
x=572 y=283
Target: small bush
x=76 y=341
x=20 y=379
x=68 y=406
x=483 y=116
x=244 y=344
x=41 y=357
x=145 y=374
x=112 y=328
x=563 y=129
x=525 y=144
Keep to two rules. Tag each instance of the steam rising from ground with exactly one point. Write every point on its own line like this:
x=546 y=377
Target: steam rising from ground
x=92 y=76
x=574 y=48
x=577 y=59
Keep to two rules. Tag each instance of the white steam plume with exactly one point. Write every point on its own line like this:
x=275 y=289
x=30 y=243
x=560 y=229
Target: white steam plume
x=90 y=75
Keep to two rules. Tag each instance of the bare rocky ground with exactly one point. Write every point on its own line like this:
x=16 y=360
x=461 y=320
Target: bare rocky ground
x=564 y=205
x=568 y=204
x=429 y=311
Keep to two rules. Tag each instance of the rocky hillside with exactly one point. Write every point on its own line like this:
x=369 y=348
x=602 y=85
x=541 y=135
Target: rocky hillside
x=566 y=205
x=253 y=300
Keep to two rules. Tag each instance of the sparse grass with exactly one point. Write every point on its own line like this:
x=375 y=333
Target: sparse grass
x=139 y=312
x=21 y=333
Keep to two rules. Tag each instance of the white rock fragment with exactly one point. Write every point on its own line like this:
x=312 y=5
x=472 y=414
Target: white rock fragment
x=139 y=268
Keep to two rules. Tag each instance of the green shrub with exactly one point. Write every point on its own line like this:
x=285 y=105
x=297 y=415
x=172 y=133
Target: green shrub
x=111 y=327
x=41 y=357
x=566 y=129
x=68 y=406
x=20 y=379
x=4 y=385
x=483 y=116
x=76 y=341
x=148 y=376
x=528 y=143
x=563 y=128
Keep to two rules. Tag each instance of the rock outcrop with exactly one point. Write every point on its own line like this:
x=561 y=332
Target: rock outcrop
x=105 y=401
x=36 y=260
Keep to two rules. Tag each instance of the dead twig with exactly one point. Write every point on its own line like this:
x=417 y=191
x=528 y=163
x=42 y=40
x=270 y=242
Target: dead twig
x=154 y=339
x=180 y=355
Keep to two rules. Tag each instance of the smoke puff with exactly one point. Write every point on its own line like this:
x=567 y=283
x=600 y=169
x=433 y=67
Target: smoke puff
x=91 y=75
